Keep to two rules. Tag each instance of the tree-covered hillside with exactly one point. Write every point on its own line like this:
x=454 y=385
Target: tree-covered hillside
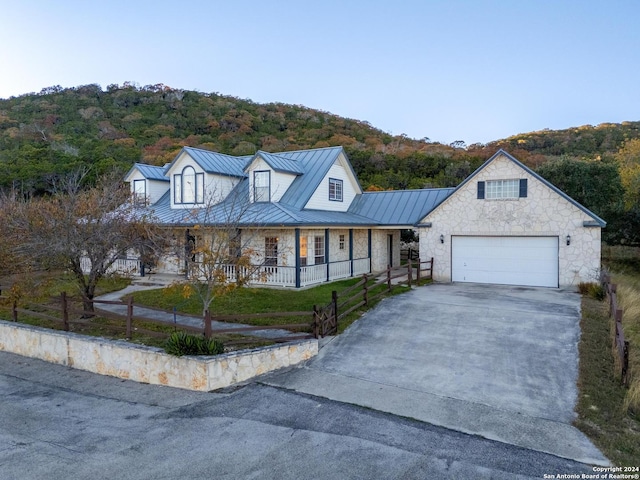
x=58 y=130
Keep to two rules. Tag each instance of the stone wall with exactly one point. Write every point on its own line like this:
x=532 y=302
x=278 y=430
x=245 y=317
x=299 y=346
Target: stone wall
x=542 y=213
x=150 y=365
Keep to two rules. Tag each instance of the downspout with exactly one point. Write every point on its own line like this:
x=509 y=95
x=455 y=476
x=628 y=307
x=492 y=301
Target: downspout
x=297 y=248
x=351 y=252
x=326 y=249
x=369 y=251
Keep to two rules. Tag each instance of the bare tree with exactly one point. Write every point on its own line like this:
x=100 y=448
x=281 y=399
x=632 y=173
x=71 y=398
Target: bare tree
x=83 y=231
x=221 y=253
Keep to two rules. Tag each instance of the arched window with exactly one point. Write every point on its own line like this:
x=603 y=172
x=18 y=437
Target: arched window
x=188 y=186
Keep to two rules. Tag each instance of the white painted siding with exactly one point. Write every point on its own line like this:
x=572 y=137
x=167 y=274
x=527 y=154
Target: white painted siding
x=320 y=198
x=216 y=187
x=155 y=189
x=280 y=181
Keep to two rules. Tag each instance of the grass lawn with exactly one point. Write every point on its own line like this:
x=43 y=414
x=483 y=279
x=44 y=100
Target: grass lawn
x=248 y=300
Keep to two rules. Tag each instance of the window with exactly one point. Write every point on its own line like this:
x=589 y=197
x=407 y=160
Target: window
x=341 y=242
x=271 y=250
x=335 y=190
x=140 y=192
x=318 y=250
x=235 y=245
x=503 y=189
x=188 y=186
x=262 y=186
x=303 y=251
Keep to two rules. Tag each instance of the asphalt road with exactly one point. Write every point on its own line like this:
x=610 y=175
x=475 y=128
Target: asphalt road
x=60 y=423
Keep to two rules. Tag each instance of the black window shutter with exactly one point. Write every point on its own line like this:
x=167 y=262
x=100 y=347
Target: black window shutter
x=481 y=190
x=523 y=188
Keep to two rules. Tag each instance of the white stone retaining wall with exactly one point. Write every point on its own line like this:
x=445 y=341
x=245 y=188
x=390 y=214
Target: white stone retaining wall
x=147 y=364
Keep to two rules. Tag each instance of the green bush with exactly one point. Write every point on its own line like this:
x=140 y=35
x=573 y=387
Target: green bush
x=593 y=290
x=182 y=343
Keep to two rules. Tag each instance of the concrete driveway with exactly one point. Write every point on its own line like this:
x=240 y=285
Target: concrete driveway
x=497 y=361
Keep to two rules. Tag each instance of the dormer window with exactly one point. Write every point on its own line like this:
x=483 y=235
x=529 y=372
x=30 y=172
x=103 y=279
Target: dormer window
x=188 y=186
x=262 y=186
x=140 y=192
x=335 y=190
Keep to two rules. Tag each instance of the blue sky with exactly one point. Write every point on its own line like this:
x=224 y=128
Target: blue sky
x=448 y=70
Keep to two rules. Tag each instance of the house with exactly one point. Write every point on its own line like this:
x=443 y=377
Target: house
x=306 y=219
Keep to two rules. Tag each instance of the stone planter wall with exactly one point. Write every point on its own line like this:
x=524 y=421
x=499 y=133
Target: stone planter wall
x=147 y=364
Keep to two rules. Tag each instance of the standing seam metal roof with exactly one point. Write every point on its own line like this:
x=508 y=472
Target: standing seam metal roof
x=279 y=163
x=399 y=207
x=150 y=172
x=213 y=162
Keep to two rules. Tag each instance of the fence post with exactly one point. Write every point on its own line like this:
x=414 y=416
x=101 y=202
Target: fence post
x=207 y=324
x=315 y=325
x=14 y=311
x=366 y=289
x=129 y=316
x=334 y=301
x=65 y=311
x=409 y=272
x=418 y=272
x=389 y=277
x=431 y=269
x=625 y=364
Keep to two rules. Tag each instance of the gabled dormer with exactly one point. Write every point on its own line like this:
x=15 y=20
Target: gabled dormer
x=270 y=176
x=148 y=183
x=201 y=178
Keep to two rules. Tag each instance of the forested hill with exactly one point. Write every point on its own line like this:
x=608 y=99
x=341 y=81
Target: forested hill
x=584 y=141
x=59 y=130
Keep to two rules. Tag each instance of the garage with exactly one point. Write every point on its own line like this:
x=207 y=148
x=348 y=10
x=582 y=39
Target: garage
x=531 y=261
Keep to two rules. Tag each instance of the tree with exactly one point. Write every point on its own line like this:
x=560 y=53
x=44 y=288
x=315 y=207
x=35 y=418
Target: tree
x=594 y=184
x=628 y=159
x=221 y=249
x=83 y=231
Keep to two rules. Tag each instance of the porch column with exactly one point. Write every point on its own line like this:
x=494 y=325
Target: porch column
x=297 y=248
x=326 y=250
x=369 y=251
x=351 y=252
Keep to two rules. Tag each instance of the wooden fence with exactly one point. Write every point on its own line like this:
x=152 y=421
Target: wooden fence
x=323 y=320
x=369 y=289
x=409 y=254
x=620 y=345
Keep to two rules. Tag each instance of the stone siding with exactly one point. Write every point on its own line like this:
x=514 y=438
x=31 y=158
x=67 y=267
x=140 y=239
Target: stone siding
x=150 y=365
x=542 y=213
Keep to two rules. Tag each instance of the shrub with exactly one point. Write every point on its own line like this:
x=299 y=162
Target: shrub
x=182 y=343
x=593 y=290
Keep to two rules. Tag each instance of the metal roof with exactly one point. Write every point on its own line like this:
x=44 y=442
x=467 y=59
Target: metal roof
x=316 y=163
x=149 y=172
x=240 y=211
x=595 y=217
x=214 y=162
x=399 y=207
x=279 y=163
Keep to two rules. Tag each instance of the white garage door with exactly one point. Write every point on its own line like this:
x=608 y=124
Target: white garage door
x=505 y=260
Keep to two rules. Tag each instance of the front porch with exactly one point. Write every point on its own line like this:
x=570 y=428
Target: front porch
x=297 y=277
x=272 y=275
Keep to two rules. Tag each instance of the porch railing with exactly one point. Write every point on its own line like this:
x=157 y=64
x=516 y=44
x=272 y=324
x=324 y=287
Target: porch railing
x=123 y=266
